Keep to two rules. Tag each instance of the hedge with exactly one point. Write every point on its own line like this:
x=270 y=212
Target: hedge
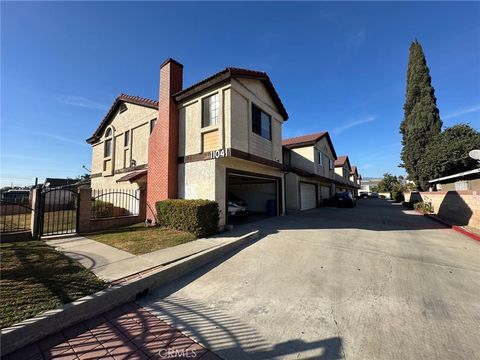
x=199 y=217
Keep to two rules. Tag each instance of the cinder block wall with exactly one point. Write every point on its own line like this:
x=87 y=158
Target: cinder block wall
x=457 y=207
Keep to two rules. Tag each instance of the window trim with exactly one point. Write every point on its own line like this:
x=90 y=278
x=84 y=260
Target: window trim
x=126 y=138
x=320 y=158
x=269 y=138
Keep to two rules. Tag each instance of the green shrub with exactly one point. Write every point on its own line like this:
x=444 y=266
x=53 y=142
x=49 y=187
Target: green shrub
x=199 y=217
x=397 y=195
x=423 y=207
x=101 y=209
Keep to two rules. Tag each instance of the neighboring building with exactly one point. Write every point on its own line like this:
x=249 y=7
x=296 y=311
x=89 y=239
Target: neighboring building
x=355 y=178
x=311 y=176
x=367 y=184
x=218 y=139
x=343 y=171
x=56 y=182
x=467 y=180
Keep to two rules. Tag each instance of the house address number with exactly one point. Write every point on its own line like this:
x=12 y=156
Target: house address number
x=220 y=153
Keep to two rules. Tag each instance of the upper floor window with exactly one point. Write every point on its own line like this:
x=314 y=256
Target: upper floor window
x=261 y=123
x=123 y=107
x=320 y=158
x=152 y=124
x=210 y=110
x=107 y=149
x=126 y=140
x=330 y=164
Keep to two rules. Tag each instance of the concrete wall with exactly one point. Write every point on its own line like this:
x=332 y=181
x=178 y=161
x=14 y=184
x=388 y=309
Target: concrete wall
x=292 y=198
x=456 y=207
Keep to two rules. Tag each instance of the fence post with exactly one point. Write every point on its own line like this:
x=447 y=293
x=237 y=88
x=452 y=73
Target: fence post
x=84 y=209
x=36 y=198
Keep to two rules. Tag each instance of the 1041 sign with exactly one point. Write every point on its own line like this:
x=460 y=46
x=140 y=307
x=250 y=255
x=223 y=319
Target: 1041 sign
x=217 y=154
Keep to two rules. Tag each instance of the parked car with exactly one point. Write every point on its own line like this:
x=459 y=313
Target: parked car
x=344 y=199
x=363 y=194
x=374 y=195
x=236 y=206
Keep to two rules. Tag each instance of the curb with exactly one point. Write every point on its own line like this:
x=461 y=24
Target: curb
x=456 y=228
x=52 y=321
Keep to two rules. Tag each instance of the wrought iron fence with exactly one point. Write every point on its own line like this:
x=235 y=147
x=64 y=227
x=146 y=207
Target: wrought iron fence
x=15 y=213
x=107 y=203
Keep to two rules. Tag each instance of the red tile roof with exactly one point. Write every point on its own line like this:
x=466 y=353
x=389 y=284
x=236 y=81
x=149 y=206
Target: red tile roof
x=133 y=176
x=341 y=160
x=233 y=72
x=120 y=98
x=308 y=140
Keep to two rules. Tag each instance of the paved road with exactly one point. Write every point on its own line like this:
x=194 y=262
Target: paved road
x=374 y=282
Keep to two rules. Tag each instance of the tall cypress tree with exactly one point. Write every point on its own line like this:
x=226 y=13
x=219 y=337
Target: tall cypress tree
x=421 y=122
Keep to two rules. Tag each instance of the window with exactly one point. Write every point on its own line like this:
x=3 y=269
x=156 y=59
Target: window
x=126 y=140
x=107 y=146
x=210 y=110
x=152 y=124
x=261 y=123
x=330 y=164
x=320 y=158
x=123 y=107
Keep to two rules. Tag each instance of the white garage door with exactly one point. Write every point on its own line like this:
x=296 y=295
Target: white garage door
x=308 y=196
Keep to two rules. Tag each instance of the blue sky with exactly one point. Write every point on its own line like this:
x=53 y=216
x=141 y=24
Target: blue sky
x=339 y=67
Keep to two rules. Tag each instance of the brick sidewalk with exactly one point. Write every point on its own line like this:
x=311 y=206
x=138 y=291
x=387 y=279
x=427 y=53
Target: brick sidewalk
x=127 y=332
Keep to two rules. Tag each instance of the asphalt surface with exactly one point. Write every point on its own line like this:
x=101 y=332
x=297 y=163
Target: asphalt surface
x=374 y=282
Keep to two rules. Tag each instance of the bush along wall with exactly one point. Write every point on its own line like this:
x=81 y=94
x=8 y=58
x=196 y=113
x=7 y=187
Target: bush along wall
x=199 y=217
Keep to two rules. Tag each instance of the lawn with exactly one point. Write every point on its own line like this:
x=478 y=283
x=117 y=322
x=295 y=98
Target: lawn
x=36 y=278
x=139 y=239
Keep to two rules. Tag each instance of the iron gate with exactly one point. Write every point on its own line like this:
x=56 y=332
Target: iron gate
x=59 y=211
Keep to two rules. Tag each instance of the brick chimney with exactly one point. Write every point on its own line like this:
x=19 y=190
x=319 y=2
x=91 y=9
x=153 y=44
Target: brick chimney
x=162 y=178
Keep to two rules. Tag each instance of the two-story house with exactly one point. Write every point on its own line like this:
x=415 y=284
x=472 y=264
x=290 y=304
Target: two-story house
x=218 y=139
x=310 y=161
x=343 y=170
x=355 y=178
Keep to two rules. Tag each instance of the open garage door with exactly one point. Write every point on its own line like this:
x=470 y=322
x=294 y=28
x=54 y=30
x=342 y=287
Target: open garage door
x=252 y=196
x=308 y=196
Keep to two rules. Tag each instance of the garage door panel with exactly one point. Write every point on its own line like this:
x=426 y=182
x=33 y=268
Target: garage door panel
x=308 y=196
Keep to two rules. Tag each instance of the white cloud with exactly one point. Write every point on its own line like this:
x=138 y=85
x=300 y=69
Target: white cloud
x=81 y=101
x=351 y=124
x=461 y=112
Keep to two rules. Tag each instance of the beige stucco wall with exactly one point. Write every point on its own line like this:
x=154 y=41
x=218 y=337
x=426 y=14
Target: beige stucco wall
x=323 y=146
x=343 y=172
x=306 y=158
x=190 y=122
x=135 y=119
x=245 y=92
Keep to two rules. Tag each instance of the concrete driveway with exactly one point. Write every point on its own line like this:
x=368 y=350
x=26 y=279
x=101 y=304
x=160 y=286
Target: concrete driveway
x=374 y=282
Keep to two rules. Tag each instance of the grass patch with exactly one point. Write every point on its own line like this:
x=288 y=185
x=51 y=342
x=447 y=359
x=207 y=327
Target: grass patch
x=139 y=239
x=36 y=278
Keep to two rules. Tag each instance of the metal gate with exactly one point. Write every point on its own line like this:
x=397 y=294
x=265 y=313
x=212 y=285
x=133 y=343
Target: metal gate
x=59 y=211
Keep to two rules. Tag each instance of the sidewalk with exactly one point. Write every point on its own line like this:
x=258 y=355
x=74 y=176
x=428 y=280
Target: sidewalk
x=112 y=264
x=128 y=331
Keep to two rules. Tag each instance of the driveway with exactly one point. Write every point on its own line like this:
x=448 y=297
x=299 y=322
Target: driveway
x=373 y=282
